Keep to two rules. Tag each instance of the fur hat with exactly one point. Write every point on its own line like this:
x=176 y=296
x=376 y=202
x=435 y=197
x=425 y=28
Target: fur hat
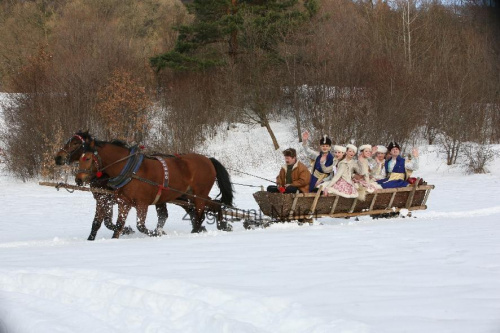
x=382 y=149
x=393 y=144
x=325 y=140
x=363 y=147
x=339 y=148
x=353 y=147
x=290 y=152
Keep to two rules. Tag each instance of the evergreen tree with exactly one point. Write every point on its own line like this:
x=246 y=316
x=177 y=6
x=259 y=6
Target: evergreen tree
x=221 y=28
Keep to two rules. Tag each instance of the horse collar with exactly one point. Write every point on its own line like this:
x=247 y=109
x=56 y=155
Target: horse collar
x=134 y=161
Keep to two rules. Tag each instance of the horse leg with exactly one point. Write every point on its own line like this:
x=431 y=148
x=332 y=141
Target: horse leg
x=142 y=212
x=107 y=206
x=108 y=216
x=123 y=209
x=199 y=216
x=190 y=211
x=221 y=223
x=162 y=212
x=100 y=212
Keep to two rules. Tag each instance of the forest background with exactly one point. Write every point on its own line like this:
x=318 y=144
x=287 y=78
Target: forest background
x=172 y=74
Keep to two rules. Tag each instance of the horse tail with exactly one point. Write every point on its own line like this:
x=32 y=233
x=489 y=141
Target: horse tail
x=224 y=183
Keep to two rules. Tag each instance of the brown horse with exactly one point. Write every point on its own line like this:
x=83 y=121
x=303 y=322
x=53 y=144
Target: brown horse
x=190 y=177
x=71 y=152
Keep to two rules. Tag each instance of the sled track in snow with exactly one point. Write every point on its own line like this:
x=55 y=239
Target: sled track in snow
x=424 y=215
x=460 y=214
x=114 y=303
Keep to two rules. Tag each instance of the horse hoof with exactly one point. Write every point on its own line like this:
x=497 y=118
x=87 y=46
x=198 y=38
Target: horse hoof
x=199 y=230
x=91 y=238
x=225 y=227
x=157 y=233
x=128 y=230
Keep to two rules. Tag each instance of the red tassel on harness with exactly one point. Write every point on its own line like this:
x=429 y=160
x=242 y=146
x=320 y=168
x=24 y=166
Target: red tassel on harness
x=281 y=189
x=98 y=174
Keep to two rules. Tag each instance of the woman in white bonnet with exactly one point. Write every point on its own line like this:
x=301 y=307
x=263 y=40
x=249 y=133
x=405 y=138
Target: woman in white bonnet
x=378 y=169
x=342 y=183
x=338 y=155
x=365 y=164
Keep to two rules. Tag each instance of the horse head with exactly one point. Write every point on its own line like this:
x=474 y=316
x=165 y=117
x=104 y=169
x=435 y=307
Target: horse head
x=73 y=148
x=88 y=168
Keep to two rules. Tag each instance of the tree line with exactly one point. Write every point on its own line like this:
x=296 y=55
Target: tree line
x=172 y=75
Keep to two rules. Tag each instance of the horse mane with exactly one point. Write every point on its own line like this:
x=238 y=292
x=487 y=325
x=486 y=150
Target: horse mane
x=114 y=142
x=120 y=143
x=155 y=153
x=87 y=137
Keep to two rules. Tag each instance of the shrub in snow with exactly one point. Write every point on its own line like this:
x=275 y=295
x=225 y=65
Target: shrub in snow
x=477 y=156
x=451 y=146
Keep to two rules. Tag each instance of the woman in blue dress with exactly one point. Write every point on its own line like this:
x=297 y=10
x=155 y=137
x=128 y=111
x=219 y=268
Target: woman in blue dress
x=323 y=161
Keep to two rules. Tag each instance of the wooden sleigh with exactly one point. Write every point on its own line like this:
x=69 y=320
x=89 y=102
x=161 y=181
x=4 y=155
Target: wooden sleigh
x=305 y=206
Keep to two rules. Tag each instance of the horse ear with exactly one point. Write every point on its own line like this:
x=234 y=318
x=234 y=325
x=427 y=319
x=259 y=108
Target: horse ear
x=92 y=144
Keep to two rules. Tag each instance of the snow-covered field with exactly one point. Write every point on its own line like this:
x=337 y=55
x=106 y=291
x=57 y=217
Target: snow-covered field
x=438 y=272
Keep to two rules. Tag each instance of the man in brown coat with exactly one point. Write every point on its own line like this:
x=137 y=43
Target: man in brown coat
x=294 y=175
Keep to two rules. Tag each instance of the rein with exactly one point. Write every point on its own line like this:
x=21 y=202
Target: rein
x=247 y=185
x=249 y=174
x=166 y=188
x=115 y=162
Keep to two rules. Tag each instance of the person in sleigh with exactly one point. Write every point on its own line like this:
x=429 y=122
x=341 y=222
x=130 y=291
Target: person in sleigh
x=397 y=167
x=377 y=171
x=342 y=183
x=293 y=176
x=322 y=169
x=365 y=164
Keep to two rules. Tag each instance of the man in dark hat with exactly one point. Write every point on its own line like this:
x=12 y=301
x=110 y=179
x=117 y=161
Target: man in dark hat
x=397 y=167
x=293 y=176
x=323 y=161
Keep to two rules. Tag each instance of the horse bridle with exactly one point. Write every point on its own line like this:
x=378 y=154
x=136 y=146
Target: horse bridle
x=70 y=154
x=96 y=160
